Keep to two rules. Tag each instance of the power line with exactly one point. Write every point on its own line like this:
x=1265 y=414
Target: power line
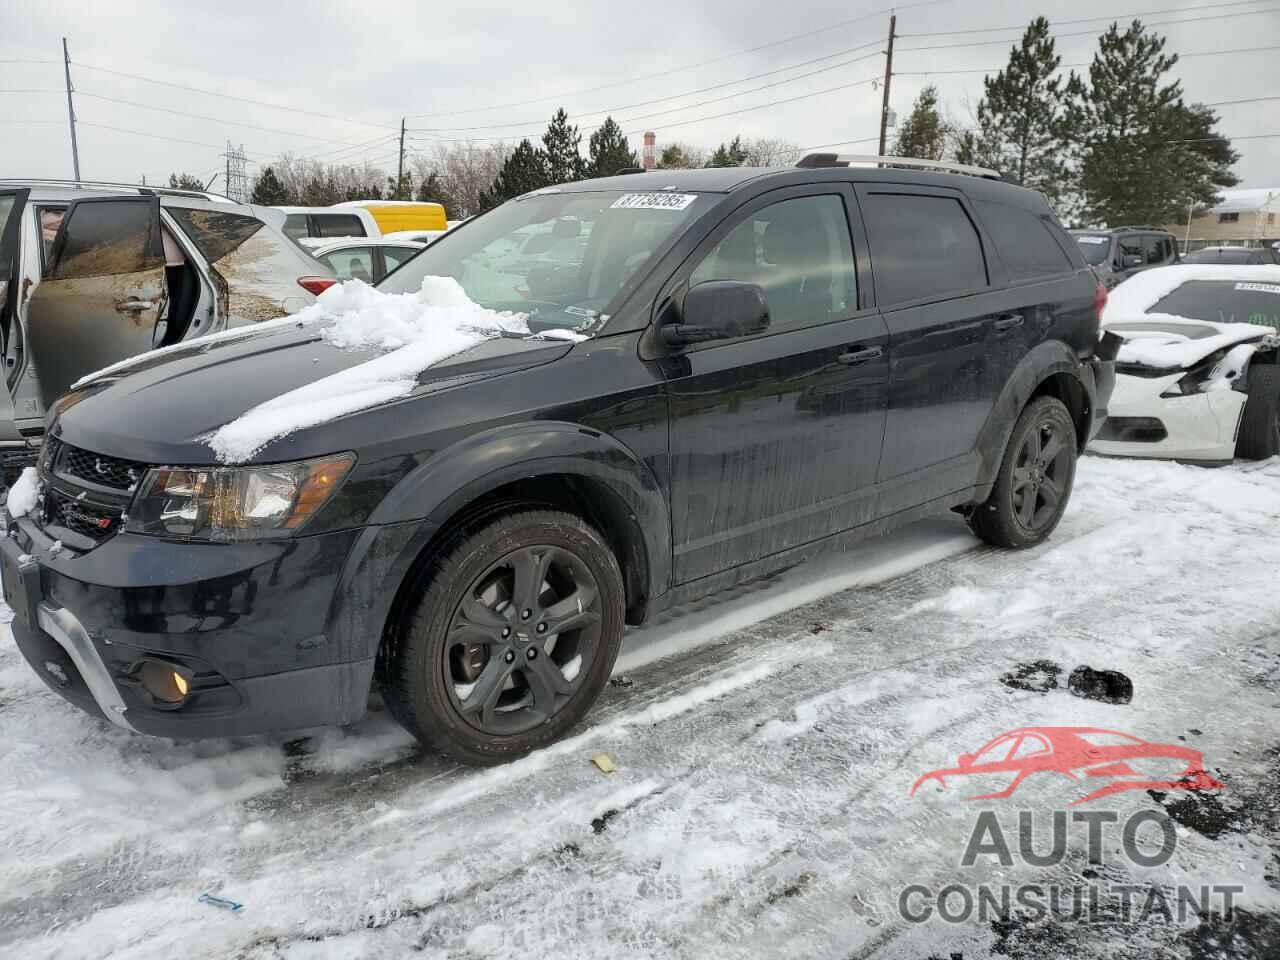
x=675 y=70
x=1067 y=66
x=762 y=106
x=199 y=116
x=30 y=61
x=1112 y=16
x=31 y=90
x=228 y=96
x=1084 y=33
x=690 y=106
x=1228 y=103
x=686 y=94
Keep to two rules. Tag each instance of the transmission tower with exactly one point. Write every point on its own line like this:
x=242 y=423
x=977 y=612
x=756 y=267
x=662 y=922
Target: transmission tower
x=237 y=181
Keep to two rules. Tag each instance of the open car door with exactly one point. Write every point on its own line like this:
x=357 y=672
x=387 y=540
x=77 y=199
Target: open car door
x=12 y=203
x=102 y=294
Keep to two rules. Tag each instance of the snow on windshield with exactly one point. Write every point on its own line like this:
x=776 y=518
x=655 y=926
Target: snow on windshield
x=412 y=331
x=1144 y=290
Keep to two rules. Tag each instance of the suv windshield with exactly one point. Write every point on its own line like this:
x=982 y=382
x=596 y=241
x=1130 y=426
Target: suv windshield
x=1095 y=248
x=560 y=259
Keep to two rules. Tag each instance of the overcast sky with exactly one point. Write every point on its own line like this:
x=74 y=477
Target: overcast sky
x=374 y=62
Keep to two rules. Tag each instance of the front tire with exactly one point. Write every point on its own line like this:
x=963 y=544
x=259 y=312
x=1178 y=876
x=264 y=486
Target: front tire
x=511 y=641
x=1034 y=483
x=1259 y=436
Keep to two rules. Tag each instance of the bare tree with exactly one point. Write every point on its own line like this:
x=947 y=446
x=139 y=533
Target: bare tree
x=770 y=152
x=464 y=170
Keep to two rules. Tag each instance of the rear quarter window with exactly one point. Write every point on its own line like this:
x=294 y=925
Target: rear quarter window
x=338 y=225
x=1025 y=241
x=923 y=246
x=214 y=232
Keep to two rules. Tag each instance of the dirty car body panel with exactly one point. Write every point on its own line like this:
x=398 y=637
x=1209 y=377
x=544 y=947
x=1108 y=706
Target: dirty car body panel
x=703 y=464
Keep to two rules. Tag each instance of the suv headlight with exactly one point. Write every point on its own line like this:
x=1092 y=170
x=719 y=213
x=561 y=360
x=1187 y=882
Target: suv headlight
x=235 y=503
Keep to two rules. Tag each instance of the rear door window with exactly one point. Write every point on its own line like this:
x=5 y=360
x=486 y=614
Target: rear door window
x=351 y=263
x=1025 y=241
x=215 y=232
x=1153 y=249
x=1130 y=247
x=922 y=247
x=104 y=237
x=338 y=225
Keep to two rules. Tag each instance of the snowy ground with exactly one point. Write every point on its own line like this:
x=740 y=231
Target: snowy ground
x=766 y=745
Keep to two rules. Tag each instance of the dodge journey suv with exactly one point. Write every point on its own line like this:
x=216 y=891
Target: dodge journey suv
x=727 y=371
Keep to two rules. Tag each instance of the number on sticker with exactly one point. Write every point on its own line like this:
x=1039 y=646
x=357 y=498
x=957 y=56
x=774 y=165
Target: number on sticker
x=654 y=201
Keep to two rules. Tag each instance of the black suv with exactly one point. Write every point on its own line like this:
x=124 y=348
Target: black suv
x=768 y=364
x=1119 y=253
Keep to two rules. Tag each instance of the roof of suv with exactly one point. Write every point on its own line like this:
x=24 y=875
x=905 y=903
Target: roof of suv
x=727 y=179
x=44 y=189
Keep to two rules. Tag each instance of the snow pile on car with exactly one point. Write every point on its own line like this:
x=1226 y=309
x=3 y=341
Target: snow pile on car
x=24 y=493
x=413 y=331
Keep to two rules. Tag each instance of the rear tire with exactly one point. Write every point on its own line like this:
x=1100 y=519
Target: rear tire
x=480 y=669
x=1034 y=483
x=1259 y=436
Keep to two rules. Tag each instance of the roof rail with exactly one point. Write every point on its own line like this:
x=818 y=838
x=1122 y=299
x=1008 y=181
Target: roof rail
x=1139 y=226
x=111 y=185
x=944 y=166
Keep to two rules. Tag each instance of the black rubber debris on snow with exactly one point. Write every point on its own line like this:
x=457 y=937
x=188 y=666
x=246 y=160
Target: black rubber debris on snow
x=599 y=824
x=1037 y=676
x=621 y=680
x=1105 y=686
x=1201 y=812
x=792 y=889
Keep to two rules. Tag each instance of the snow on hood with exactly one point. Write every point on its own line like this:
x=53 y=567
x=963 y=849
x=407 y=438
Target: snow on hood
x=414 y=331
x=1167 y=347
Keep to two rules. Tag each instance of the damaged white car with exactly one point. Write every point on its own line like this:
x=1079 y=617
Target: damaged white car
x=1196 y=375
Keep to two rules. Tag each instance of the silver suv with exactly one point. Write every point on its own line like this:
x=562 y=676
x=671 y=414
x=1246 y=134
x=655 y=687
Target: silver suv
x=92 y=273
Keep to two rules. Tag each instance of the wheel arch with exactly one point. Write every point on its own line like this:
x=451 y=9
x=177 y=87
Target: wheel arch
x=559 y=465
x=1051 y=369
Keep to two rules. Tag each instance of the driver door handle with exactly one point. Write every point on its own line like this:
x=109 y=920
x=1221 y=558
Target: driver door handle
x=857 y=355
x=1008 y=321
x=135 y=306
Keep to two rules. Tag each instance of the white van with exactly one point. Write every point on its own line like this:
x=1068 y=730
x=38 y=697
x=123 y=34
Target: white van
x=329 y=222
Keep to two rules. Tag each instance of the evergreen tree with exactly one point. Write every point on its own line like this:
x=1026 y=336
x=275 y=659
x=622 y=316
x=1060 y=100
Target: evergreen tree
x=185 y=181
x=1142 y=155
x=403 y=191
x=561 y=141
x=732 y=154
x=678 y=156
x=923 y=135
x=1020 y=118
x=524 y=170
x=609 y=151
x=431 y=190
x=269 y=191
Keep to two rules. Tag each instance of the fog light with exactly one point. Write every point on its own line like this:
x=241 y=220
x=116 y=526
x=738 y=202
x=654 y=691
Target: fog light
x=164 y=681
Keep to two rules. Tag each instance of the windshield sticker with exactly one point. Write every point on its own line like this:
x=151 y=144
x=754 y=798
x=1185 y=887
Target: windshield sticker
x=1093 y=239
x=654 y=201
x=1259 y=287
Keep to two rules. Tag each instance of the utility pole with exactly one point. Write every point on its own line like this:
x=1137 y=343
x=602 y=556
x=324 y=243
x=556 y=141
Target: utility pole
x=71 y=110
x=888 y=78
x=400 y=167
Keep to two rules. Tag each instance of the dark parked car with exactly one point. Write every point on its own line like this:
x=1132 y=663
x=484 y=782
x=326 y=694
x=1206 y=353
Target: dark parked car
x=1250 y=256
x=775 y=363
x=1119 y=253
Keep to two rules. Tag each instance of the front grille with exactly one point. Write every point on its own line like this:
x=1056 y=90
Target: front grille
x=77 y=464
x=93 y=520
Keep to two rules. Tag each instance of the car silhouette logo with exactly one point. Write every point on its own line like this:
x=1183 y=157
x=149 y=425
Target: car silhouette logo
x=1080 y=754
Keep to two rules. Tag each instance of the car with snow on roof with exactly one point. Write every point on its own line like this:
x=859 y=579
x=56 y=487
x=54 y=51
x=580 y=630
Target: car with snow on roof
x=1196 y=375
x=457 y=488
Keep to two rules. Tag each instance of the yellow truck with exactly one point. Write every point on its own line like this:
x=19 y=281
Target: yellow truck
x=399 y=215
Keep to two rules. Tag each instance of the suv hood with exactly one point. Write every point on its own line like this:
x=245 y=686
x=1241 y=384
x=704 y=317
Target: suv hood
x=163 y=408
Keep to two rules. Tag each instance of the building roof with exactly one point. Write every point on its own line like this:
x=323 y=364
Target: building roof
x=1249 y=200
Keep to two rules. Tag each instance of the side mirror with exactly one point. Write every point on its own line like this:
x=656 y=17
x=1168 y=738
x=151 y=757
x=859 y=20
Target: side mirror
x=1132 y=260
x=719 y=310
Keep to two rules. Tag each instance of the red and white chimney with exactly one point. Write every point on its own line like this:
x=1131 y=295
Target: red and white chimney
x=647 y=158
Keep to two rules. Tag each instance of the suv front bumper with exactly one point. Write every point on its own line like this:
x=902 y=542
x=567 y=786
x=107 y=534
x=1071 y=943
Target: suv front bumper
x=248 y=623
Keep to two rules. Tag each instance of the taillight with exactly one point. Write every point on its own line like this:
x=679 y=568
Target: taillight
x=316 y=285
x=1099 y=301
